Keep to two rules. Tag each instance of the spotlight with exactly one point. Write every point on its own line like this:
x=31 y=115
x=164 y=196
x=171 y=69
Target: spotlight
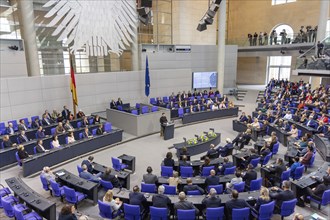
x=301 y=51
x=201 y=26
x=144 y=15
x=282 y=52
x=209 y=15
x=13 y=47
x=208 y=20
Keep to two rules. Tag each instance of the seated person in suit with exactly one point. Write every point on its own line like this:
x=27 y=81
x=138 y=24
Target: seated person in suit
x=326 y=134
x=310 y=122
x=184 y=204
x=212 y=152
x=174 y=180
x=184 y=151
x=55 y=142
x=115 y=204
x=262 y=199
x=59 y=129
x=100 y=130
x=86 y=133
x=22 y=138
x=191 y=187
x=234 y=203
x=184 y=162
x=88 y=176
x=45 y=120
x=71 y=138
x=22 y=126
x=317 y=192
x=160 y=200
x=68 y=126
x=246 y=161
x=6 y=142
x=260 y=116
x=226 y=164
x=212 y=179
x=97 y=119
x=35 y=123
x=40 y=148
x=107 y=176
x=237 y=179
x=65 y=112
x=293 y=132
x=119 y=102
x=22 y=154
x=255 y=125
x=223 y=151
x=286 y=126
x=10 y=129
x=243 y=138
x=276 y=171
x=137 y=198
x=320 y=128
x=113 y=104
x=264 y=151
x=150 y=178
x=306 y=158
x=168 y=161
x=211 y=200
x=281 y=195
x=207 y=163
x=80 y=114
x=47 y=173
x=250 y=175
x=85 y=121
x=40 y=133
x=88 y=163
x=296 y=163
x=288 y=115
x=303 y=151
x=243 y=118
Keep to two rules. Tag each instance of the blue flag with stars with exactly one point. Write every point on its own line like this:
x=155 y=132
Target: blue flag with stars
x=147 y=79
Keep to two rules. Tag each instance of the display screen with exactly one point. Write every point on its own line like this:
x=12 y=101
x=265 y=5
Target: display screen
x=202 y=80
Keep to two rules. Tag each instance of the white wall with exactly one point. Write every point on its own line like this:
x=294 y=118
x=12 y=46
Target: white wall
x=28 y=96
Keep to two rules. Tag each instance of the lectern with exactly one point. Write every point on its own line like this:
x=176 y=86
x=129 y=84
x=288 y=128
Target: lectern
x=168 y=131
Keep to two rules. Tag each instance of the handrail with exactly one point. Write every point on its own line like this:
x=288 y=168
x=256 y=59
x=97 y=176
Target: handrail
x=313 y=47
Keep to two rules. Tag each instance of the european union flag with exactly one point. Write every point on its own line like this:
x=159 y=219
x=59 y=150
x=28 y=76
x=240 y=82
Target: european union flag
x=147 y=79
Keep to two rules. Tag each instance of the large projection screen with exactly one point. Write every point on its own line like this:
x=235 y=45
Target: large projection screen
x=203 y=80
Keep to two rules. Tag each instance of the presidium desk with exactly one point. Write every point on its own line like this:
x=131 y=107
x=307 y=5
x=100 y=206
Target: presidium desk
x=55 y=156
x=137 y=125
x=209 y=115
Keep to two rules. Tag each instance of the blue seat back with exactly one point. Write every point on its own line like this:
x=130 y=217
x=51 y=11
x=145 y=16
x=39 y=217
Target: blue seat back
x=287 y=207
x=230 y=170
x=44 y=182
x=285 y=175
x=116 y=164
x=206 y=170
x=35 y=150
x=53 y=130
x=134 y=112
x=311 y=161
x=91 y=121
x=15 y=125
x=165 y=99
x=194 y=192
x=186 y=171
x=94 y=131
x=26 y=121
x=79 y=169
x=186 y=214
x=180 y=112
x=153 y=101
x=120 y=108
x=66 y=140
x=19 y=163
x=148 y=188
x=267 y=158
x=33 y=118
x=241 y=214
x=145 y=109
x=255 y=184
x=7 y=206
x=158 y=213
x=79 y=124
x=107 y=127
x=154 y=108
x=255 y=162
x=215 y=213
x=166 y=171
x=70 y=195
x=132 y=212
x=170 y=190
x=239 y=186
x=106 y=185
x=81 y=135
x=266 y=210
x=218 y=188
x=275 y=148
x=325 y=198
x=104 y=210
x=57 y=191
x=298 y=172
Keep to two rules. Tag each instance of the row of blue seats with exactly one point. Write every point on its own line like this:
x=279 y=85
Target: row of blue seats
x=166 y=99
x=144 y=109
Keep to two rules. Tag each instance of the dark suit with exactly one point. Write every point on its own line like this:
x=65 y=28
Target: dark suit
x=168 y=162
x=136 y=198
x=150 y=178
x=88 y=176
x=7 y=144
x=99 y=131
x=185 y=205
x=112 y=178
x=187 y=188
x=260 y=202
x=86 y=135
x=311 y=123
x=67 y=217
x=35 y=124
x=68 y=127
x=65 y=113
x=10 y=130
x=281 y=196
x=88 y=164
x=22 y=127
x=22 y=139
x=211 y=202
x=223 y=151
x=184 y=163
x=46 y=121
x=249 y=176
x=225 y=165
x=119 y=103
x=243 y=118
x=40 y=149
x=22 y=154
x=161 y=201
x=113 y=105
x=234 y=204
x=212 y=180
x=40 y=134
x=318 y=192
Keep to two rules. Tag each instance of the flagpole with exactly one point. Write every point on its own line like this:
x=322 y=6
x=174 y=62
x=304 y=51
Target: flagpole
x=73 y=101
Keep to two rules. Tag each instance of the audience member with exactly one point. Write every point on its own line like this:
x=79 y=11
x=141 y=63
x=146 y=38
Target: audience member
x=80 y=114
x=174 y=180
x=55 y=142
x=86 y=133
x=67 y=213
x=293 y=167
x=40 y=148
x=211 y=200
x=184 y=204
x=10 y=129
x=40 y=133
x=262 y=199
x=107 y=176
x=226 y=164
x=6 y=142
x=224 y=151
x=65 y=113
x=234 y=203
x=22 y=126
x=22 y=154
x=250 y=175
x=137 y=198
x=281 y=195
x=88 y=163
x=71 y=138
x=149 y=178
x=59 y=129
x=47 y=173
x=160 y=200
x=115 y=204
x=168 y=161
x=237 y=179
x=212 y=179
x=100 y=130
x=88 y=176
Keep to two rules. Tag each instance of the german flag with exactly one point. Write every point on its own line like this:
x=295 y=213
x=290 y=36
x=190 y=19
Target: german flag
x=73 y=84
